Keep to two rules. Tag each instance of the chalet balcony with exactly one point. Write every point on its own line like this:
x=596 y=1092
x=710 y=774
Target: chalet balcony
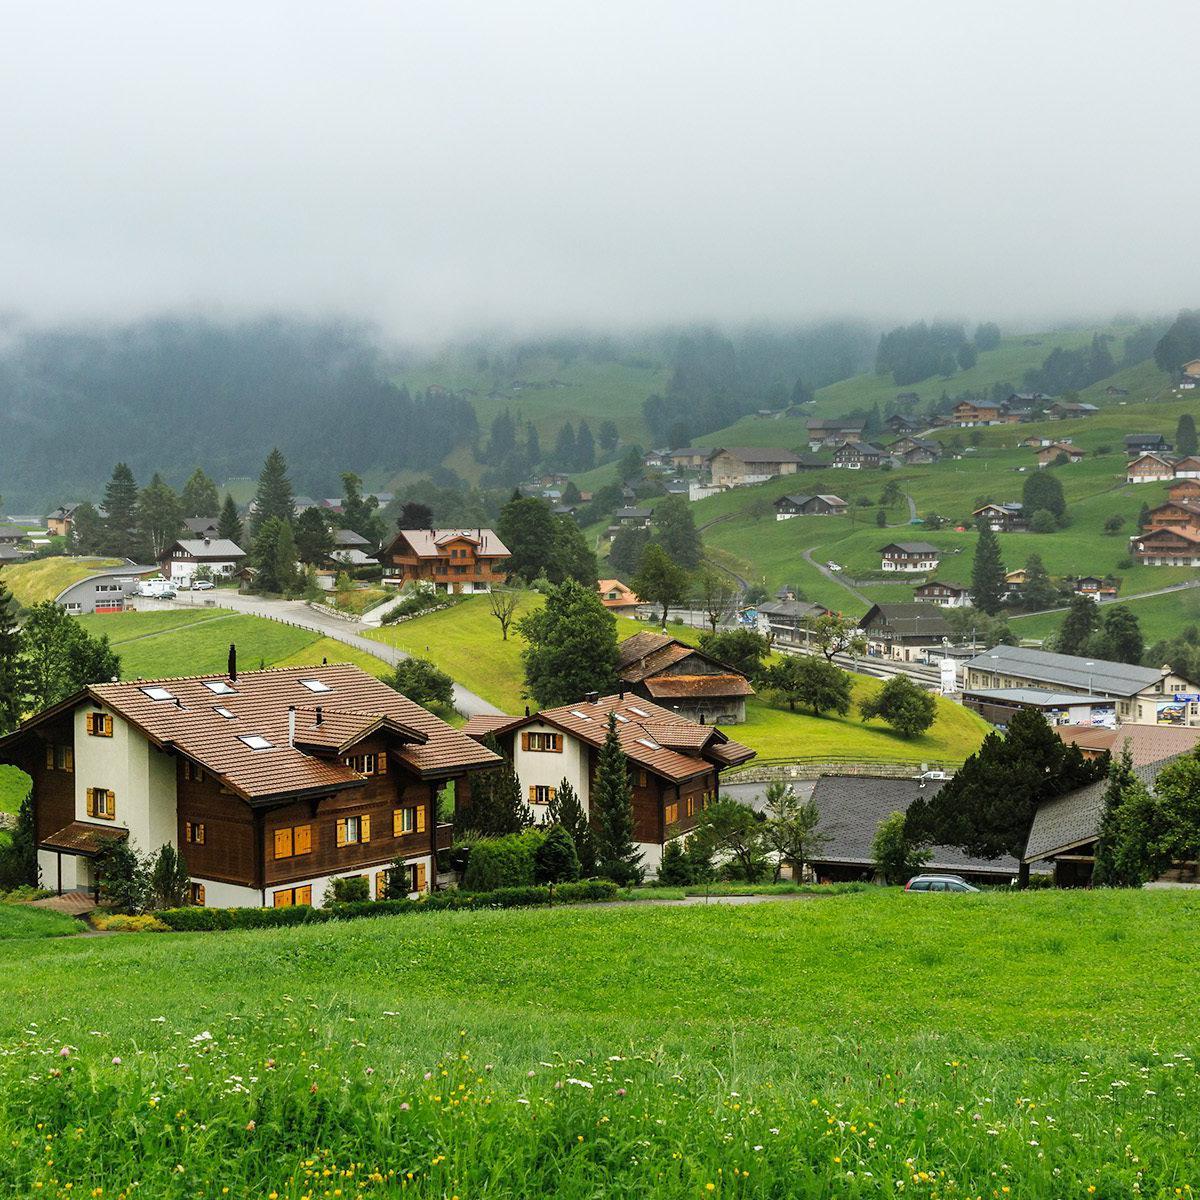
x=445 y=835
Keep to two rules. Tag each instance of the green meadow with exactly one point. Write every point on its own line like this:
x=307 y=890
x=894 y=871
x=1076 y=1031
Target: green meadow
x=869 y=1045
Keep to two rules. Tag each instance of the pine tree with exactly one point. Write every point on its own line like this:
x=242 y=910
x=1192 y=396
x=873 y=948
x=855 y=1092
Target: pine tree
x=617 y=857
x=200 y=497
x=1120 y=639
x=565 y=810
x=565 y=449
x=314 y=541
x=88 y=533
x=1039 y=591
x=274 y=496
x=159 y=516
x=1185 y=434
x=585 y=448
x=274 y=556
x=987 y=574
x=1078 y=626
x=10 y=661
x=120 y=514
x=229 y=525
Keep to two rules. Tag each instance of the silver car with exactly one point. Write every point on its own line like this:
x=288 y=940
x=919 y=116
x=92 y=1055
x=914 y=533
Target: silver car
x=939 y=883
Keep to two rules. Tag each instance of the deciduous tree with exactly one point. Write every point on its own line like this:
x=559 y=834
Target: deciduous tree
x=571 y=646
x=423 y=683
x=791 y=830
x=907 y=707
x=502 y=603
x=742 y=649
x=834 y=634
x=200 y=497
x=1078 y=626
x=815 y=683
x=660 y=580
x=717 y=594
x=897 y=856
x=675 y=531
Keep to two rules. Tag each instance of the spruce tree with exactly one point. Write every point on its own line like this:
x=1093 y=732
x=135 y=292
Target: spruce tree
x=1078 y=626
x=200 y=497
x=987 y=574
x=274 y=497
x=159 y=516
x=585 y=448
x=1039 y=591
x=229 y=525
x=10 y=661
x=617 y=857
x=120 y=514
x=87 y=534
x=565 y=810
x=1185 y=434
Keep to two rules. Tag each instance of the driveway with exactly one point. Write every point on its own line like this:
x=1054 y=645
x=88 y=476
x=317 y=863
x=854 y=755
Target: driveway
x=296 y=612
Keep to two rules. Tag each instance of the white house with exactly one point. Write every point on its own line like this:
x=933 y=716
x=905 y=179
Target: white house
x=915 y=557
x=181 y=559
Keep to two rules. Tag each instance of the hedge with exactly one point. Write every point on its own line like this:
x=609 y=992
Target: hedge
x=196 y=920
x=503 y=862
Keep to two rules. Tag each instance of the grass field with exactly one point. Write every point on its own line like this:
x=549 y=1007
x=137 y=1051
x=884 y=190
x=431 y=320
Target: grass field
x=19 y=921
x=359 y=600
x=44 y=578
x=1159 y=616
x=1023 y=1046
x=14 y=785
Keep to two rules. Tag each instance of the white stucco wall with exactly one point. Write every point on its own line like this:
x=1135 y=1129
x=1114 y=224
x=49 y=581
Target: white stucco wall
x=141 y=777
x=76 y=875
x=545 y=768
x=227 y=895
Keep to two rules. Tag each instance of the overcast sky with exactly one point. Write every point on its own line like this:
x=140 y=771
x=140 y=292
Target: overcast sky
x=434 y=165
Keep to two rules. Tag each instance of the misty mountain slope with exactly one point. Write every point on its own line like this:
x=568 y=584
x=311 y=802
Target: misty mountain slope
x=170 y=395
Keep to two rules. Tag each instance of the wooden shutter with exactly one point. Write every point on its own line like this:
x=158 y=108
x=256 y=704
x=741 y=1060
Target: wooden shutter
x=302 y=839
x=532 y=794
x=69 y=758
x=365 y=827
x=524 y=740
x=198 y=893
x=421 y=879
x=304 y=894
x=49 y=756
x=556 y=743
x=187 y=831
x=397 y=822
x=283 y=843
x=381 y=762
x=421 y=818
x=380 y=885
x=106 y=721
x=341 y=831
x=91 y=802
x=284 y=898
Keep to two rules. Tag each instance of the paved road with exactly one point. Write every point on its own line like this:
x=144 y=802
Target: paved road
x=807 y=555
x=296 y=612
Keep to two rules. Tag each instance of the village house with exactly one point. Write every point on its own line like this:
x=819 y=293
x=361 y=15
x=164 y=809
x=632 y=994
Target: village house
x=904 y=631
x=915 y=451
x=183 y=558
x=690 y=458
x=899 y=424
x=1001 y=518
x=675 y=764
x=1166 y=547
x=851 y=808
x=1048 y=455
x=1063 y=411
x=457 y=561
x=1187 y=467
x=1145 y=743
x=739 y=465
x=944 y=595
x=1184 y=489
x=833 y=431
x=1143 y=695
x=1191 y=369
x=1034 y=440
x=968 y=413
x=633 y=516
x=916 y=557
x=61 y=522
x=857 y=456
x=202 y=527
x=825 y=505
x=788 y=619
x=1174 y=514
x=683 y=679
x=1150 y=468
x=270 y=784
x=351 y=550
x=1142 y=443
x=998 y=705
x=617 y=597
x=1094 y=586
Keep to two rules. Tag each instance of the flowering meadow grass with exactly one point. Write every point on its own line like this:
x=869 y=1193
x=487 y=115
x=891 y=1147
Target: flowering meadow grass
x=872 y=1044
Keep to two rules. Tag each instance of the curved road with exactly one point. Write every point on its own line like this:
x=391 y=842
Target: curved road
x=296 y=612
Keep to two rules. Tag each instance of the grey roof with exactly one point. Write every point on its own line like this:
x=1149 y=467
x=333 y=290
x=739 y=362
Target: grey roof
x=910 y=547
x=851 y=807
x=791 y=608
x=207 y=548
x=836 y=423
x=9 y=554
x=347 y=537
x=1037 y=697
x=1068 y=670
x=756 y=454
x=635 y=513
x=798 y=501
x=912 y=619
x=199 y=524
x=1074 y=819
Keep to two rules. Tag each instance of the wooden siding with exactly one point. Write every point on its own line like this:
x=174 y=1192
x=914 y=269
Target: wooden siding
x=53 y=790
x=228 y=852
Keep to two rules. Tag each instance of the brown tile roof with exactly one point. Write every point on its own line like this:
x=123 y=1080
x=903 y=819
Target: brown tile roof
x=431 y=543
x=480 y=725
x=672 y=687
x=356 y=703
x=1147 y=743
x=638 y=721
x=82 y=837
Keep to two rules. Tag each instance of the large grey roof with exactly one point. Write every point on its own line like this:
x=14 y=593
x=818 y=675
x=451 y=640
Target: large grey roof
x=1068 y=670
x=1035 y=696
x=851 y=807
x=208 y=548
x=910 y=547
x=791 y=608
x=1074 y=819
x=926 y=620
x=756 y=454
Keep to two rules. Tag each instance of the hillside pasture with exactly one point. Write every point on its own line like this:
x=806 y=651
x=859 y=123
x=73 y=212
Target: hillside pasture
x=1011 y=1045
x=44 y=578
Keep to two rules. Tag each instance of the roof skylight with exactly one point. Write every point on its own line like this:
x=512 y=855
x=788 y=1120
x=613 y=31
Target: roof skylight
x=648 y=744
x=641 y=712
x=158 y=693
x=581 y=715
x=255 y=741
x=623 y=720
x=221 y=711
x=316 y=685
x=220 y=687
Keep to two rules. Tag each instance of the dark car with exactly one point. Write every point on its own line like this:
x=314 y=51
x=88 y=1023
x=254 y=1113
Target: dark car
x=938 y=883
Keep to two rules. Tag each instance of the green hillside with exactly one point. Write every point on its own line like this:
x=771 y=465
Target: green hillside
x=44 y=578
x=840 y=1046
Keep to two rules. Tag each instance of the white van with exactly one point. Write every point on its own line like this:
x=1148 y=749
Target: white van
x=157 y=589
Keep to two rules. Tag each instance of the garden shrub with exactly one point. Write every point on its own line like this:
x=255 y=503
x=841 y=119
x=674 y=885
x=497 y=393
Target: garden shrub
x=124 y=923
x=503 y=862
x=555 y=860
x=355 y=890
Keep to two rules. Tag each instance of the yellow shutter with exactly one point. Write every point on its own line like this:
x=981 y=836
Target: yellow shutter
x=302 y=839
x=551 y=793
x=397 y=822
x=187 y=831
x=49 y=756
x=421 y=818
x=283 y=843
x=365 y=825
x=420 y=877
x=524 y=741
x=341 y=831
x=283 y=899
x=199 y=893
x=69 y=758
x=532 y=794
x=91 y=802
x=380 y=885
x=304 y=894
x=381 y=763
x=107 y=725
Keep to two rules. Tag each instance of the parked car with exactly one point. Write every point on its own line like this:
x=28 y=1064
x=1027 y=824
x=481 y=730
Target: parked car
x=939 y=883
x=203 y=585
x=833 y=566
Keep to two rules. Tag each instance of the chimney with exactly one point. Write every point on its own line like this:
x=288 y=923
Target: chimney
x=591 y=697
x=527 y=710
x=291 y=724
x=232 y=662
x=320 y=715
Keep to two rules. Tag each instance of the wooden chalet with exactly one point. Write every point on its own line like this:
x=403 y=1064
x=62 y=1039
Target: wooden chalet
x=675 y=764
x=682 y=678
x=183 y=558
x=944 y=595
x=1166 y=547
x=1174 y=514
x=1187 y=489
x=61 y=522
x=1065 y=411
x=858 y=456
x=1002 y=518
x=915 y=451
x=1048 y=455
x=916 y=557
x=736 y=466
x=824 y=505
x=617 y=597
x=1150 y=468
x=833 y=431
x=270 y=783
x=903 y=631
x=453 y=560
x=1142 y=443
x=1187 y=467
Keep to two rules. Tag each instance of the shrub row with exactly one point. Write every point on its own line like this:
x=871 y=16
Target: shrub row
x=192 y=920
